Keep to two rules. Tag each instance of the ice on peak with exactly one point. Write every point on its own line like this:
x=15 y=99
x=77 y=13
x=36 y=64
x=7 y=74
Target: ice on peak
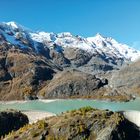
x=13 y=24
x=98 y=35
x=64 y=34
x=46 y=33
x=43 y=36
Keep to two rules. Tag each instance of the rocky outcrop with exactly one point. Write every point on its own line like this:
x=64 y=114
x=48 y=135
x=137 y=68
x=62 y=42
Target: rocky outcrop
x=127 y=79
x=11 y=120
x=85 y=123
x=72 y=83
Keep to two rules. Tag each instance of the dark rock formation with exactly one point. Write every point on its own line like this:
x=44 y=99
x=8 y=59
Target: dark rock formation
x=11 y=121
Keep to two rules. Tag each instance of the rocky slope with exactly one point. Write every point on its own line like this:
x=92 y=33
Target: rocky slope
x=127 y=79
x=72 y=83
x=23 y=73
x=11 y=120
x=85 y=123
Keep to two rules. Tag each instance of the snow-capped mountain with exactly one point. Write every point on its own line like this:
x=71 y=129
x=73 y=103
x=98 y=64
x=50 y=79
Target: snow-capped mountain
x=29 y=60
x=16 y=34
x=97 y=43
x=110 y=45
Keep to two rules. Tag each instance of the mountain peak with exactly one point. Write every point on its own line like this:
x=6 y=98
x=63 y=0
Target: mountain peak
x=98 y=37
x=98 y=34
x=13 y=24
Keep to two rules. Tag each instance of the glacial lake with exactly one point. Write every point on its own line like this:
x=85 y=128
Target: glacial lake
x=59 y=106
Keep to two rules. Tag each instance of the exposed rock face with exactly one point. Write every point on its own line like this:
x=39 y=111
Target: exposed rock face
x=71 y=83
x=11 y=121
x=22 y=73
x=88 y=62
x=85 y=123
x=127 y=79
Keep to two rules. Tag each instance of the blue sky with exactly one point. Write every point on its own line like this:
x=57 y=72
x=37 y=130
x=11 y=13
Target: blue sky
x=119 y=19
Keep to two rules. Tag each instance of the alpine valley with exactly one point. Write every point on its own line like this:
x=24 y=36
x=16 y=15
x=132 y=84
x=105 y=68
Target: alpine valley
x=42 y=65
x=66 y=68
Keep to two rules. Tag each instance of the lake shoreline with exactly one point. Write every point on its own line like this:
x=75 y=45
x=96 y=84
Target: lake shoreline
x=24 y=101
x=58 y=99
x=34 y=116
x=39 y=109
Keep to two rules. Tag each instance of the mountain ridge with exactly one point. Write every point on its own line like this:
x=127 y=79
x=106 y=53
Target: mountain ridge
x=98 y=43
x=42 y=65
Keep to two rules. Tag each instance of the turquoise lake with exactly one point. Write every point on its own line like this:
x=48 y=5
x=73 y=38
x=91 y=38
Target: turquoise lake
x=59 y=106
